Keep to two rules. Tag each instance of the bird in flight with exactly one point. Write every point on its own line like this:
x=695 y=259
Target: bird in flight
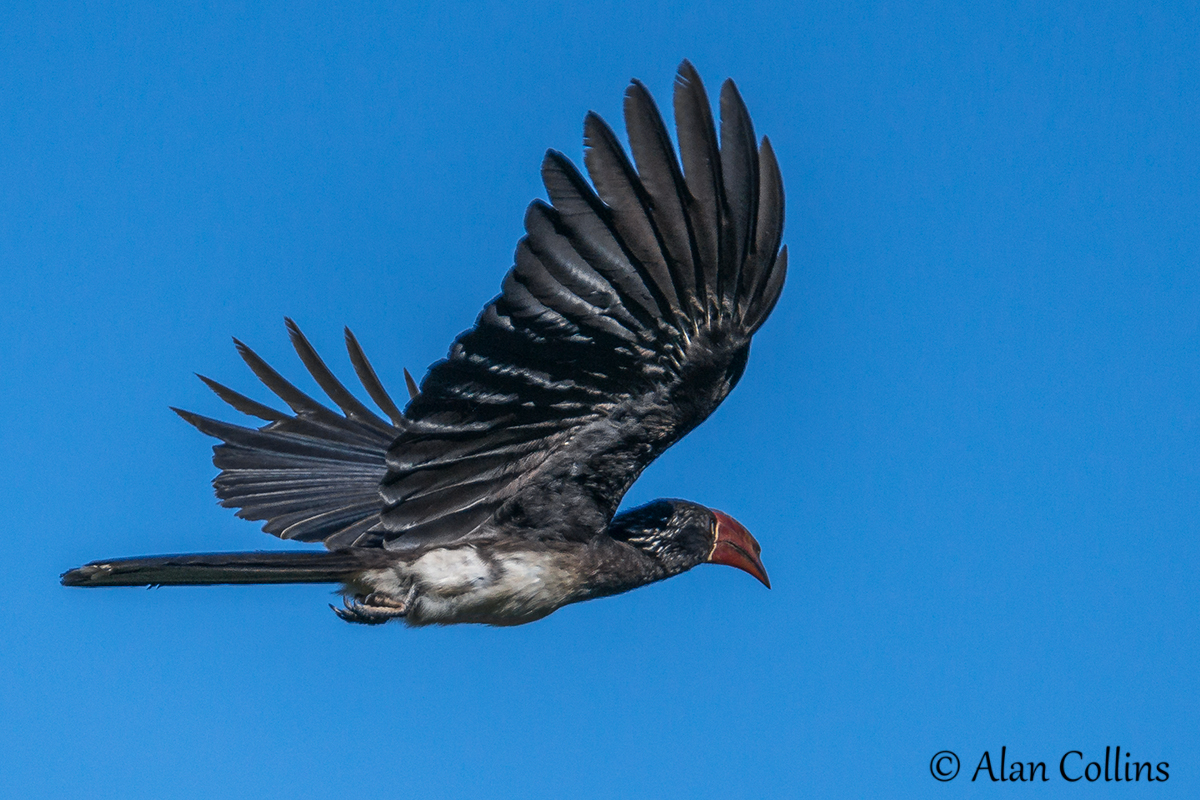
x=492 y=497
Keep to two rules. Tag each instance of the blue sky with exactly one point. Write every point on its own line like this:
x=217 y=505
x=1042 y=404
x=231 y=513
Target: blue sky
x=967 y=439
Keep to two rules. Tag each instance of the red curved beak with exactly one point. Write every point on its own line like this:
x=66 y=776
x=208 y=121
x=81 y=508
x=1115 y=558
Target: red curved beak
x=735 y=547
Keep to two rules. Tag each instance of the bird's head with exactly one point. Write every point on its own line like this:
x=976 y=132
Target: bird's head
x=680 y=535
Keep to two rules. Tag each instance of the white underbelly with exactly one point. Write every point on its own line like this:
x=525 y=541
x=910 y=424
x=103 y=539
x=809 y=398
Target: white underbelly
x=458 y=585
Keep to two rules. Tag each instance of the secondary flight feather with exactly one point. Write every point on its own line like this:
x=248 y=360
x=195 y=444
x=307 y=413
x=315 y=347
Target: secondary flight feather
x=492 y=497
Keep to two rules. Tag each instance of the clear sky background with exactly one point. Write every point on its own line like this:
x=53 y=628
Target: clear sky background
x=967 y=439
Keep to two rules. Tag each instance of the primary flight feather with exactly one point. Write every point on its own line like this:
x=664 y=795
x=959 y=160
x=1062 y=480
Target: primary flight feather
x=492 y=497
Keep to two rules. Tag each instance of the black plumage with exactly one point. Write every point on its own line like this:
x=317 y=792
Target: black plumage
x=624 y=322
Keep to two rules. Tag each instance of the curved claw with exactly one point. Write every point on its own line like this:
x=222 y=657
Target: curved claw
x=372 y=609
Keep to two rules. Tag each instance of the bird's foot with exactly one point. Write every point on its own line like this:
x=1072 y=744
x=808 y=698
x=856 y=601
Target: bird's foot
x=375 y=608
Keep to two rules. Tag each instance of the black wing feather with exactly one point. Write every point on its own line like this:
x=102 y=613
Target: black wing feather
x=339 y=394
x=370 y=381
x=242 y=403
x=701 y=158
x=666 y=192
x=618 y=186
x=739 y=169
x=582 y=217
x=313 y=476
x=623 y=324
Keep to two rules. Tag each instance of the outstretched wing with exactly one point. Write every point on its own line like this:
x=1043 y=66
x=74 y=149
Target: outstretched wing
x=626 y=320
x=312 y=475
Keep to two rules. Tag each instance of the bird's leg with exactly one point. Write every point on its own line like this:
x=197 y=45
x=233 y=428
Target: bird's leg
x=375 y=608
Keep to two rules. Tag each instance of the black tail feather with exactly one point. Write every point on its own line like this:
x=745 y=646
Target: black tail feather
x=203 y=569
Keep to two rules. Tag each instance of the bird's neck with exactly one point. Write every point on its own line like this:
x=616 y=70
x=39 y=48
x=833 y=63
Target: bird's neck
x=615 y=566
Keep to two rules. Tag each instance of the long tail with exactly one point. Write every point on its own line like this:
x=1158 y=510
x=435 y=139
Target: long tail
x=202 y=569
x=312 y=475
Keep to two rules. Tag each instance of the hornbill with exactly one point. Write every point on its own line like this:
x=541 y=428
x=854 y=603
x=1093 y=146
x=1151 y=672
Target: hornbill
x=492 y=497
